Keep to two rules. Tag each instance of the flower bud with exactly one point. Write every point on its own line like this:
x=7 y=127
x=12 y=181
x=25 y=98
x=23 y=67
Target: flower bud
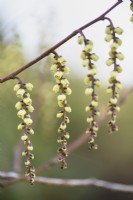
x=54 y=68
x=85 y=63
x=108 y=37
x=21 y=113
x=118 y=30
x=94 y=57
x=61 y=97
x=19 y=105
x=120 y=56
x=68 y=109
x=28 y=121
x=88 y=91
x=56 y=88
x=17 y=87
x=89 y=119
x=20 y=93
x=58 y=75
x=27 y=101
x=80 y=39
x=109 y=62
x=29 y=86
x=113 y=100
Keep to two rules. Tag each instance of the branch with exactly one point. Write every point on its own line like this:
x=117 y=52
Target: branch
x=46 y=53
x=83 y=137
x=69 y=182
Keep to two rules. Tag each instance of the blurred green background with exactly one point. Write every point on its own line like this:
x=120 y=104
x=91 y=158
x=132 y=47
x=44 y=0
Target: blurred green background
x=113 y=161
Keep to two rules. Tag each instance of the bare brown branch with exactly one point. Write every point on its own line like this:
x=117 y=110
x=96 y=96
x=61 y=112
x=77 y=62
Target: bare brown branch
x=14 y=178
x=51 y=50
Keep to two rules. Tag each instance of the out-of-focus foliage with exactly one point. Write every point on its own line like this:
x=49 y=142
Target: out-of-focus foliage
x=112 y=161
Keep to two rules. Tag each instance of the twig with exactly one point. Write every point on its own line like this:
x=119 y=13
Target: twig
x=69 y=182
x=83 y=137
x=52 y=49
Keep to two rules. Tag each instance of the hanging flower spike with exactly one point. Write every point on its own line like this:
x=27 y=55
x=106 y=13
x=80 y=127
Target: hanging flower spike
x=92 y=82
x=24 y=107
x=62 y=87
x=131 y=8
x=115 y=85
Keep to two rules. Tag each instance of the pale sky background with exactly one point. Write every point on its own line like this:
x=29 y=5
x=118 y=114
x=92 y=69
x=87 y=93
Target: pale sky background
x=52 y=20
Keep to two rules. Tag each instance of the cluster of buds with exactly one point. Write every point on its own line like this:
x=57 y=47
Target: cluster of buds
x=131 y=8
x=62 y=87
x=115 y=85
x=24 y=107
x=92 y=82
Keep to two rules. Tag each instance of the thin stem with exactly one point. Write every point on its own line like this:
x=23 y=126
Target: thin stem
x=52 y=49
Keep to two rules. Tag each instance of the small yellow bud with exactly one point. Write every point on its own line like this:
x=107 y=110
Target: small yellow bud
x=87 y=80
x=59 y=115
x=109 y=62
x=108 y=90
x=114 y=74
x=27 y=162
x=30 y=108
x=89 y=119
x=21 y=113
x=94 y=57
x=24 y=153
x=91 y=140
x=88 y=108
x=66 y=70
x=61 y=97
x=30 y=147
x=18 y=105
x=118 y=30
x=113 y=100
x=68 y=109
x=64 y=82
x=61 y=60
x=60 y=104
x=119 y=86
x=80 y=39
x=17 y=87
x=20 y=127
x=67 y=136
x=88 y=91
x=83 y=55
x=88 y=48
x=114 y=46
x=120 y=56
x=54 y=68
x=119 y=69
x=119 y=41
x=108 y=29
x=85 y=63
x=98 y=83
x=29 y=86
x=27 y=101
x=108 y=37
x=30 y=131
x=20 y=93
x=58 y=75
x=117 y=108
x=68 y=91
x=94 y=103
x=62 y=126
x=24 y=137
x=28 y=121
x=56 y=88
x=93 y=72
